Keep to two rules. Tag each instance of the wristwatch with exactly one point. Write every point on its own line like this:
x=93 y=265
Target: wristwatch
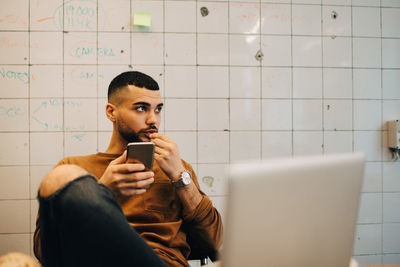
x=185 y=180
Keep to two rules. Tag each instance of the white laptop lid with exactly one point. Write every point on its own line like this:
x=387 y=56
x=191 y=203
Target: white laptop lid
x=295 y=212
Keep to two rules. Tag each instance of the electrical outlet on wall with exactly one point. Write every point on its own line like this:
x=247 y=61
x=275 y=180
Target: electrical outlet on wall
x=394 y=138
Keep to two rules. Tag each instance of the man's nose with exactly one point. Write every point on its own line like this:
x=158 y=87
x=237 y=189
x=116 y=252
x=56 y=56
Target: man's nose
x=151 y=118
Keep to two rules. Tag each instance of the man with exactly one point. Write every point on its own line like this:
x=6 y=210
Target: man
x=80 y=222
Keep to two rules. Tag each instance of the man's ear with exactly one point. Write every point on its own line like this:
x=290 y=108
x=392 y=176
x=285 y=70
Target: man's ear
x=111 y=112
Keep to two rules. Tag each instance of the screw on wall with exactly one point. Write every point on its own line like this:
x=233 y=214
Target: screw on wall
x=204 y=11
x=334 y=14
x=259 y=55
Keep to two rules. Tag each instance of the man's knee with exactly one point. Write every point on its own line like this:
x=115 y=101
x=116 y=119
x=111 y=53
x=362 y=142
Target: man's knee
x=58 y=177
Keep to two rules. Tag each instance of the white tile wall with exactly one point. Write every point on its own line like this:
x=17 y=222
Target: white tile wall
x=46 y=47
x=324 y=85
x=390 y=18
x=307 y=83
x=276 y=82
x=213 y=114
x=390 y=84
x=244 y=18
x=14 y=182
x=391 y=206
x=275 y=19
x=277 y=144
x=372 y=177
x=185 y=110
x=245 y=114
x=16 y=79
x=337 y=83
x=15 y=242
x=277 y=50
x=244 y=82
x=213 y=81
x=390 y=53
x=277 y=115
x=391 y=238
x=212 y=179
x=366 y=52
x=391 y=181
x=366 y=21
x=336 y=115
x=242 y=49
x=306 y=19
x=217 y=19
x=307 y=143
x=307 y=51
x=212 y=49
x=14 y=49
x=14 y=115
x=368 y=239
x=245 y=146
x=187 y=11
x=367 y=115
x=180 y=49
x=367 y=83
x=307 y=115
x=339 y=26
x=370 y=210
x=18 y=12
x=337 y=51
x=338 y=142
x=180 y=81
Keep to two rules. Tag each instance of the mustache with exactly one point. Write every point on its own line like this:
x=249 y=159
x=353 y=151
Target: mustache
x=152 y=127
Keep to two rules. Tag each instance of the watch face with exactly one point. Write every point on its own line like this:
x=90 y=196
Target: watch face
x=186 y=178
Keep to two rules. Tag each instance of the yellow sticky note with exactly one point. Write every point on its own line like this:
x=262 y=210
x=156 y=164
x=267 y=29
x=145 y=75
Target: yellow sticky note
x=142 y=19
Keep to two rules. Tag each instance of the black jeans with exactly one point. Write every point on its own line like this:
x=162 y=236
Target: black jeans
x=82 y=225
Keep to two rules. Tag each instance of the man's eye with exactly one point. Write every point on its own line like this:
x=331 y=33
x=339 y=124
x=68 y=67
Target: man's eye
x=158 y=109
x=141 y=109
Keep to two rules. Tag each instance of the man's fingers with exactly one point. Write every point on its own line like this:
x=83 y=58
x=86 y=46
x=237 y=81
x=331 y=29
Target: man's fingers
x=131 y=167
x=141 y=184
x=132 y=191
x=160 y=142
x=160 y=136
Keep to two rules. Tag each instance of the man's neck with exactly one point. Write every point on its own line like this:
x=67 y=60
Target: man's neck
x=117 y=144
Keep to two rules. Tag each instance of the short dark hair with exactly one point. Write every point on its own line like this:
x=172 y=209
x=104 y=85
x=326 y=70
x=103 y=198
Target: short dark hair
x=135 y=78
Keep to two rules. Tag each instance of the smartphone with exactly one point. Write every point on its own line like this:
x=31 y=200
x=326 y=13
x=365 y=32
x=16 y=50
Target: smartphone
x=142 y=152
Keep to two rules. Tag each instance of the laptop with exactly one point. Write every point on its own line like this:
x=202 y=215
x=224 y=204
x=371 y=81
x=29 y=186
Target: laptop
x=294 y=212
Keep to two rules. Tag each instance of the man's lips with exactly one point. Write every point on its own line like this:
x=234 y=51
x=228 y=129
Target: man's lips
x=149 y=132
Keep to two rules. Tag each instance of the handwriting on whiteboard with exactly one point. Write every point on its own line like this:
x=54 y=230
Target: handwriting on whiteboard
x=78 y=15
x=39 y=115
x=9 y=74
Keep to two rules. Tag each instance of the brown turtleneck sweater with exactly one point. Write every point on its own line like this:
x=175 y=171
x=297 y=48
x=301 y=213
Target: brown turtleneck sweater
x=158 y=215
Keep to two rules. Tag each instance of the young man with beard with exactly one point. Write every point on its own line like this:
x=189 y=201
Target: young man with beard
x=96 y=210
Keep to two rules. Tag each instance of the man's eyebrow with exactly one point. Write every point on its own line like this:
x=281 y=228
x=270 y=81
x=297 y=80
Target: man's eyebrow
x=141 y=104
x=146 y=104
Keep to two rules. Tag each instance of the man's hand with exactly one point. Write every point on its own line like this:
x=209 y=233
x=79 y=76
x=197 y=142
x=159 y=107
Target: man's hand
x=166 y=153
x=126 y=179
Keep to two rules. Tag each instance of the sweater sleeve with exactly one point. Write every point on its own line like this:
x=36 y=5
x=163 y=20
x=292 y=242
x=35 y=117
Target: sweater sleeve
x=204 y=224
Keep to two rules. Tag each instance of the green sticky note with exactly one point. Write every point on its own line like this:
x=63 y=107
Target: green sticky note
x=142 y=19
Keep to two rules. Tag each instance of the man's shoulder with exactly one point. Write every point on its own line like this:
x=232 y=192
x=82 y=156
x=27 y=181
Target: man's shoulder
x=78 y=159
x=94 y=163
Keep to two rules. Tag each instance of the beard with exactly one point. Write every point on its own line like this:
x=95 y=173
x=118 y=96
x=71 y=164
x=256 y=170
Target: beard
x=131 y=136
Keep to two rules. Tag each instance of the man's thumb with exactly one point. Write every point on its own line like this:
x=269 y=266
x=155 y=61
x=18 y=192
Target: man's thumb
x=120 y=160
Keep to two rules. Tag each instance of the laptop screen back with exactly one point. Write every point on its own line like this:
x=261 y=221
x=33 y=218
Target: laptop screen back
x=297 y=212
